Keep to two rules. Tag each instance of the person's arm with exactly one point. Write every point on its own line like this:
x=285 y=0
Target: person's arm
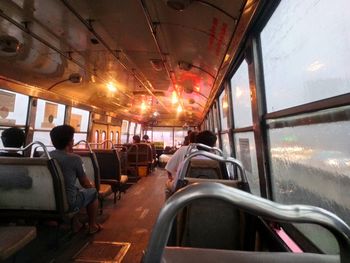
x=81 y=175
x=85 y=182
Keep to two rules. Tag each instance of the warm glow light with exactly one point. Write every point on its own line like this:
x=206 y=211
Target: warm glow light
x=224 y=104
x=197 y=88
x=156 y=114
x=143 y=106
x=174 y=98
x=111 y=87
x=179 y=109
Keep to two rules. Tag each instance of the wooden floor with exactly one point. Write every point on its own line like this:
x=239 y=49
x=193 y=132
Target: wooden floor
x=129 y=220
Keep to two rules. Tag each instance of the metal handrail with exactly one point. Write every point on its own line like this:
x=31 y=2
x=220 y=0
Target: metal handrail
x=86 y=143
x=27 y=147
x=102 y=143
x=193 y=146
x=252 y=204
x=215 y=157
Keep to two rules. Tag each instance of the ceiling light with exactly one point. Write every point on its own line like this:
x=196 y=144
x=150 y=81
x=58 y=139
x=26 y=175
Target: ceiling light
x=185 y=65
x=179 y=109
x=174 y=98
x=178 y=5
x=143 y=106
x=156 y=114
x=111 y=87
x=157 y=64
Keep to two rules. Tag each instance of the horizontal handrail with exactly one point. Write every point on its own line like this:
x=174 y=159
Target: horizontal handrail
x=28 y=146
x=86 y=143
x=103 y=143
x=212 y=156
x=193 y=146
x=252 y=204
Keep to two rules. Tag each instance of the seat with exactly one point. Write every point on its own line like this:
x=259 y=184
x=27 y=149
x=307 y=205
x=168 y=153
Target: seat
x=110 y=171
x=14 y=238
x=92 y=171
x=158 y=252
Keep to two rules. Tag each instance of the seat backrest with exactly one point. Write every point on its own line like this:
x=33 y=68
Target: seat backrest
x=206 y=169
x=32 y=187
x=92 y=169
x=109 y=163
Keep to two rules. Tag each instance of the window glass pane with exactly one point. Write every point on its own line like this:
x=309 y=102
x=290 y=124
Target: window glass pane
x=298 y=68
x=246 y=153
x=242 y=108
x=117 y=137
x=132 y=129
x=124 y=138
x=163 y=135
x=78 y=137
x=103 y=136
x=224 y=111
x=111 y=136
x=138 y=129
x=79 y=120
x=49 y=114
x=42 y=136
x=215 y=118
x=13 y=108
x=96 y=136
x=179 y=136
x=311 y=165
x=125 y=126
x=226 y=144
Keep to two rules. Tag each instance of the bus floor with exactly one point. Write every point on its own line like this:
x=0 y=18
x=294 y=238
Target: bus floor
x=130 y=220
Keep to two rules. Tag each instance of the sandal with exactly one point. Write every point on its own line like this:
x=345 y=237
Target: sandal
x=95 y=229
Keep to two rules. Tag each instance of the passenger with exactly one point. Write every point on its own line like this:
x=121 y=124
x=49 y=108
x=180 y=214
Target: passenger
x=145 y=138
x=72 y=168
x=186 y=141
x=136 y=139
x=205 y=137
x=175 y=161
x=12 y=138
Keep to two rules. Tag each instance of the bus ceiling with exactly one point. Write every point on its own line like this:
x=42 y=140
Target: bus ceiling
x=140 y=59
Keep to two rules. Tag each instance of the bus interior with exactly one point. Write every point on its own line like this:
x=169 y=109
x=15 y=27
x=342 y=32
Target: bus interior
x=269 y=78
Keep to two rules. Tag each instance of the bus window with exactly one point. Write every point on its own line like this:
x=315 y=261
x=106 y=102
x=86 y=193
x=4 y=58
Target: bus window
x=117 y=137
x=242 y=109
x=111 y=136
x=14 y=107
x=103 y=136
x=298 y=68
x=131 y=131
x=246 y=153
x=97 y=136
x=125 y=126
x=48 y=115
x=163 y=134
x=224 y=110
x=138 y=129
x=309 y=163
x=80 y=121
x=179 y=136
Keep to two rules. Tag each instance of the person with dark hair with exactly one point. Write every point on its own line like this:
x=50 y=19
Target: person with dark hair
x=186 y=141
x=136 y=139
x=72 y=168
x=145 y=138
x=12 y=138
x=204 y=137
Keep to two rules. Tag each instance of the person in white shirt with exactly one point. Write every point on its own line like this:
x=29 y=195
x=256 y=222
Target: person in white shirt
x=174 y=162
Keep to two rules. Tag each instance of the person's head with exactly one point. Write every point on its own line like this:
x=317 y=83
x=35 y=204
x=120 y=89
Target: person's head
x=187 y=140
x=145 y=138
x=13 y=137
x=62 y=136
x=192 y=137
x=207 y=138
x=136 y=139
x=189 y=132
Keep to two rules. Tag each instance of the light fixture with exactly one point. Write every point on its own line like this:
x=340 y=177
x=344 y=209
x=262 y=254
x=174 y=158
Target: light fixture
x=143 y=106
x=178 y=5
x=9 y=45
x=157 y=64
x=174 y=98
x=111 y=87
x=74 y=78
x=179 y=109
x=188 y=66
x=156 y=114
